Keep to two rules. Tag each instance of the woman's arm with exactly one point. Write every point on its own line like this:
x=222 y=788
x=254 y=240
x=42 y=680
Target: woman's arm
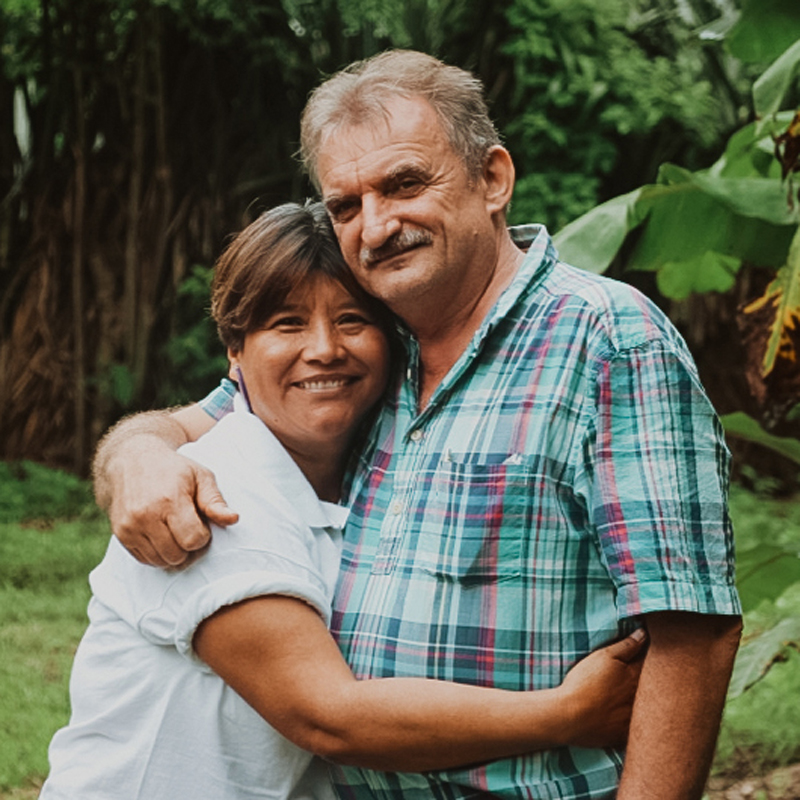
x=276 y=652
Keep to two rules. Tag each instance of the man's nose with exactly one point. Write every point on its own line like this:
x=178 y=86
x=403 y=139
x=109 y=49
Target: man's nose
x=379 y=223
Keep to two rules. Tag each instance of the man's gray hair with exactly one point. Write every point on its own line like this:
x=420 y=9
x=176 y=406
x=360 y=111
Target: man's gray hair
x=360 y=92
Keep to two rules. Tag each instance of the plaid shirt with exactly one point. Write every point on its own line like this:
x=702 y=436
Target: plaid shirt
x=567 y=476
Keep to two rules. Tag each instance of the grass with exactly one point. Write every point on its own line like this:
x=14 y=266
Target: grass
x=44 y=565
x=43 y=597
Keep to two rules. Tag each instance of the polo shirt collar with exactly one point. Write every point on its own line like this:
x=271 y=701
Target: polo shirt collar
x=260 y=447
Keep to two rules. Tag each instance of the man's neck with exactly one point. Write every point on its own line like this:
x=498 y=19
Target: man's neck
x=442 y=342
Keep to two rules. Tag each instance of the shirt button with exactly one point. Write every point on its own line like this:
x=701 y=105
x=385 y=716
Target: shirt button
x=397 y=507
x=416 y=435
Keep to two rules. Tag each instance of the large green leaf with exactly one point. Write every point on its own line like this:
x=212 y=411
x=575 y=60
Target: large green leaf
x=592 y=241
x=685 y=221
x=760 y=198
x=764 y=571
x=689 y=222
x=745 y=427
x=750 y=152
x=708 y=272
x=764 y=30
x=757 y=656
x=770 y=90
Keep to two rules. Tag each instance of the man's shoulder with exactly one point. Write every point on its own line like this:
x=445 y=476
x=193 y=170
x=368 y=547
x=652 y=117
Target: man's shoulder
x=612 y=308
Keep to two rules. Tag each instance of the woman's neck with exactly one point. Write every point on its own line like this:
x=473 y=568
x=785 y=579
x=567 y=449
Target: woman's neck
x=324 y=471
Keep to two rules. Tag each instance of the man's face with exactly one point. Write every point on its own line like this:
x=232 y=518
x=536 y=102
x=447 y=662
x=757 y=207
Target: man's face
x=410 y=224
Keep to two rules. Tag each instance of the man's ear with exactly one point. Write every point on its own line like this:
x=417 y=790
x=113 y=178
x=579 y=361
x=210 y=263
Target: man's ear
x=498 y=176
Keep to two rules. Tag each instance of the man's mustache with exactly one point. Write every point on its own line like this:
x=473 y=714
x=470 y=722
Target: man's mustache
x=400 y=242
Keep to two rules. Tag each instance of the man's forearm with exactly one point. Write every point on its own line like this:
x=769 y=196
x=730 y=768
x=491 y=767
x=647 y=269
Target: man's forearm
x=129 y=438
x=679 y=705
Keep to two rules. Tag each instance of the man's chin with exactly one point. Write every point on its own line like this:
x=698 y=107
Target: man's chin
x=398 y=287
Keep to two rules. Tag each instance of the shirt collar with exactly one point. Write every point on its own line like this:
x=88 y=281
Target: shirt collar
x=539 y=260
x=261 y=448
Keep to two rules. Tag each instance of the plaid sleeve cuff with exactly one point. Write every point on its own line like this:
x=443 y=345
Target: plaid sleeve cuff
x=219 y=401
x=635 y=599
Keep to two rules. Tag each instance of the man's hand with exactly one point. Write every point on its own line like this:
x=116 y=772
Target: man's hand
x=158 y=501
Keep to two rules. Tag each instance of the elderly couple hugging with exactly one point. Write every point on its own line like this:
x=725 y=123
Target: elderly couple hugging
x=479 y=535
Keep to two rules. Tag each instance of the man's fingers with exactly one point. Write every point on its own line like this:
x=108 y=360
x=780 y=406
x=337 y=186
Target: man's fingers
x=146 y=554
x=630 y=647
x=187 y=522
x=160 y=545
x=211 y=503
x=187 y=530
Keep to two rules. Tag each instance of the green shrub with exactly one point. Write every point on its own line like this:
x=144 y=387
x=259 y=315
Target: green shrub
x=31 y=491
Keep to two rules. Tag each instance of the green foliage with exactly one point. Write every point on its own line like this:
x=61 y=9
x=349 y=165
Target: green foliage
x=744 y=427
x=31 y=491
x=766 y=28
x=195 y=358
x=600 y=87
x=687 y=220
x=772 y=88
x=759 y=729
x=768 y=579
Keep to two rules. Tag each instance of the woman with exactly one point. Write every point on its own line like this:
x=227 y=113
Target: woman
x=186 y=683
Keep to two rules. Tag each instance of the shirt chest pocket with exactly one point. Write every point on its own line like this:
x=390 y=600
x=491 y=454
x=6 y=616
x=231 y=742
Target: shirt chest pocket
x=471 y=526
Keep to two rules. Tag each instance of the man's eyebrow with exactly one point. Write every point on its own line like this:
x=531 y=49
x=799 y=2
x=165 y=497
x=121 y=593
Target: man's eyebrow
x=334 y=200
x=407 y=169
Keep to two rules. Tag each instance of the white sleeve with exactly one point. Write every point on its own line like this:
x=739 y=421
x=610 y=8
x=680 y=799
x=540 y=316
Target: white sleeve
x=166 y=607
x=272 y=549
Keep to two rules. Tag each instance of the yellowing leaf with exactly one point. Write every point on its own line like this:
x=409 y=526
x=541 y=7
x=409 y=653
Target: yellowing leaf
x=782 y=300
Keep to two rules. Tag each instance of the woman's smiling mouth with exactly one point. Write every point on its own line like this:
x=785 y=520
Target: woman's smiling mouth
x=323 y=384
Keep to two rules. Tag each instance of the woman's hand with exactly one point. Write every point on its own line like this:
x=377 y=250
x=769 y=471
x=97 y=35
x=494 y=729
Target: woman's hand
x=599 y=692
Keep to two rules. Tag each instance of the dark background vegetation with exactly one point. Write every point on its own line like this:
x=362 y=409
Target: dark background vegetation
x=136 y=135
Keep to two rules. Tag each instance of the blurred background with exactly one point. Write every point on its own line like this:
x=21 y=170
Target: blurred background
x=658 y=139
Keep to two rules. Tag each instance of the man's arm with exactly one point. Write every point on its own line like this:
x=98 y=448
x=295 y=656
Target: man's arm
x=157 y=500
x=679 y=705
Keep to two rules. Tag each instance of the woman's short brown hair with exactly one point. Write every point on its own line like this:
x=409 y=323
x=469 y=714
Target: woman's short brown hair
x=283 y=248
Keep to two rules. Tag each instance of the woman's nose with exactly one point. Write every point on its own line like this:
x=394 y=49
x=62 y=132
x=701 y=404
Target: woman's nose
x=323 y=344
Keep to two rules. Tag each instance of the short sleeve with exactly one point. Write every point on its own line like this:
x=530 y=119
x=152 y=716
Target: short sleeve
x=219 y=401
x=658 y=471
x=279 y=577
x=165 y=608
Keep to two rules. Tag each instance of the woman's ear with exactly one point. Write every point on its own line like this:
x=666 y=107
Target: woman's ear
x=233 y=363
x=498 y=176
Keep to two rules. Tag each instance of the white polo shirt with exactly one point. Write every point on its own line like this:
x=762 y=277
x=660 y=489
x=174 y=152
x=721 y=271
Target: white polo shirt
x=150 y=721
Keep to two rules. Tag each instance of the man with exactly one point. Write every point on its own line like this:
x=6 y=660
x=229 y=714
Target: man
x=548 y=474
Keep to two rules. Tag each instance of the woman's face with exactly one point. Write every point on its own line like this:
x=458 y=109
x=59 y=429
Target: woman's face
x=315 y=368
